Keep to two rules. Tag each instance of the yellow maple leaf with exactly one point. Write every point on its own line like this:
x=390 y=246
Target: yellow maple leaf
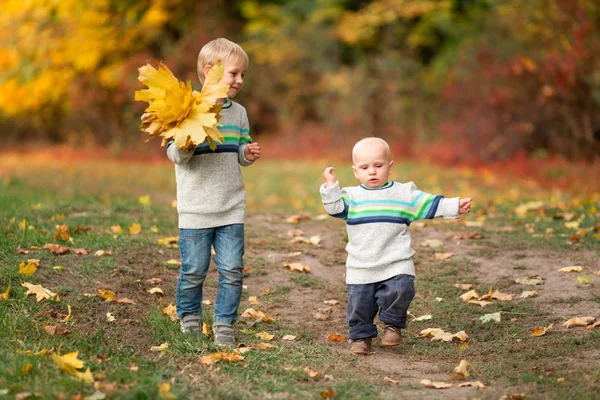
x=171 y=312
x=541 y=330
x=86 y=376
x=107 y=295
x=62 y=232
x=462 y=369
x=135 y=229
x=27 y=269
x=178 y=113
x=265 y=336
x=68 y=362
x=40 y=292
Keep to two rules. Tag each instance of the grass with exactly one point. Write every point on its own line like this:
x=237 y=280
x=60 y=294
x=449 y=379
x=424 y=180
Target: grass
x=95 y=196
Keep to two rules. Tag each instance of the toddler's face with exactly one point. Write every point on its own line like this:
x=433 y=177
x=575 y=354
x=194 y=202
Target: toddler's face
x=372 y=166
x=235 y=68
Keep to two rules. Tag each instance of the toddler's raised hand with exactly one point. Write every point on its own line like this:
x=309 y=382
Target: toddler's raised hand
x=329 y=176
x=464 y=205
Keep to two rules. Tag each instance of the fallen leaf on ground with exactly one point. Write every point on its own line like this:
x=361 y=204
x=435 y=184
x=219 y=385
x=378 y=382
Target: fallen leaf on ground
x=294 y=219
x=54 y=330
x=442 y=256
x=213 y=358
x=572 y=268
x=472 y=294
x=27 y=269
x=328 y=394
x=579 y=321
x=156 y=290
x=422 y=318
x=594 y=325
x=435 y=385
x=528 y=293
x=501 y=296
x=107 y=295
x=86 y=376
x=256 y=314
x=168 y=240
x=162 y=347
x=135 y=229
x=110 y=317
x=491 y=317
x=312 y=373
x=80 y=251
x=116 y=229
x=100 y=253
x=253 y=300
x=462 y=370
x=124 y=300
x=62 y=232
x=289 y=337
x=541 y=330
x=390 y=380
x=433 y=243
x=68 y=362
x=297 y=267
x=513 y=396
x=4 y=295
x=265 y=346
x=463 y=286
x=584 y=279
x=331 y=302
x=56 y=248
x=481 y=303
x=334 y=337
x=40 y=292
x=164 y=389
x=264 y=336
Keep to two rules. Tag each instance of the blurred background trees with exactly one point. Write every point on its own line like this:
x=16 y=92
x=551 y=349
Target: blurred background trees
x=481 y=79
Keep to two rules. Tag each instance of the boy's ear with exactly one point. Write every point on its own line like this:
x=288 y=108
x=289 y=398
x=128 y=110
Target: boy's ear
x=206 y=69
x=391 y=163
x=354 y=170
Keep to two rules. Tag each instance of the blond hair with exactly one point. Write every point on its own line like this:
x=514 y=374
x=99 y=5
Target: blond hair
x=219 y=50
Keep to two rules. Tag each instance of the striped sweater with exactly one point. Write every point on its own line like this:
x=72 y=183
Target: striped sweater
x=379 y=244
x=210 y=190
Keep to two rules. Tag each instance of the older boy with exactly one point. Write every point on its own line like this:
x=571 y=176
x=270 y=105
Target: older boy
x=379 y=268
x=211 y=202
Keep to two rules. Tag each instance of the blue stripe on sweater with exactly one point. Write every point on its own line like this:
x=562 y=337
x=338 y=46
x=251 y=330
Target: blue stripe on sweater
x=434 y=206
x=373 y=220
x=221 y=148
x=342 y=214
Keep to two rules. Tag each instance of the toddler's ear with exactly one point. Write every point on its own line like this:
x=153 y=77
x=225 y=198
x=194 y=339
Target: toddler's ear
x=206 y=69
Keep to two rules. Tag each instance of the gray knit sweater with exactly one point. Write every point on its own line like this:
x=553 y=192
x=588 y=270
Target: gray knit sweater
x=210 y=190
x=379 y=245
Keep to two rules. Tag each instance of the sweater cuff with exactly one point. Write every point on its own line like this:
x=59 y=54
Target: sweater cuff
x=330 y=194
x=244 y=162
x=448 y=208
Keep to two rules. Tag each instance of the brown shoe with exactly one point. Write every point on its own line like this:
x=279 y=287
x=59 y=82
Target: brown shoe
x=391 y=336
x=361 y=346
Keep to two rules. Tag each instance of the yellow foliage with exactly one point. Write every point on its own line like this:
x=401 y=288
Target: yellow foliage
x=176 y=112
x=68 y=362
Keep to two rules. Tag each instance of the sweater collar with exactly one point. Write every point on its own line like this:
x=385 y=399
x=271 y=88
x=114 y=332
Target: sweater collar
x=227 y=103
x=387 y=185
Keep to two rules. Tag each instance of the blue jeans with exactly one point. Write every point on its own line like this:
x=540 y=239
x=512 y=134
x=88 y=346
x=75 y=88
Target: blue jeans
x=194 y=245
x=390 y=298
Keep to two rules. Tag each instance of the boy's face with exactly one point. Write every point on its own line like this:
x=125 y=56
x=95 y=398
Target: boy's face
x=235 y=68
x=372 y=165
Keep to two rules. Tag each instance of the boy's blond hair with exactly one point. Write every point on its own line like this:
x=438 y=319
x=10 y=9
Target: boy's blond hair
x=219 y=50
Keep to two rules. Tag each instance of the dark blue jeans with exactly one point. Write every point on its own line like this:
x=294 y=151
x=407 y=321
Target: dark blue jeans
x=390 y=298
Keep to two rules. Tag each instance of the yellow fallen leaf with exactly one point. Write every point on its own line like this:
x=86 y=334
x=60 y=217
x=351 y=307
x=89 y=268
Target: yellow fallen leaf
x=101 y=253
x=522 y=209
x=472 y=294
x=86 y=376
x=328 y=394
x=253 y=300
x=26 y=368
x=116 y=229
x=528 y=293
x=62 y=232
x=171 y=312
x=491 y=317
x=68 y=317
x=390 y=380
x=331 y=302
x=312 y=373
x=156 y=290
x=579 y=321
x=572 y=225
x=27 y=269
x=206 y=330
x=431 y=332
x=572 y=268
x=541 y=330
x=206 y=302
x=422 y=318
x=135 y=229
x=168 y=240
x=289 y=337
x=125 y=300
x=162 y=347
x=297 y=267
x=4 y=295
x=530 y=280
x=68 y=362
x=56 y=249
x=256 y=314
x=481 y=303
x=40 y=292
x=594 y=325
x=462 y=369
x=315 y=240
x=110 y=317
x=145 y=200
x=501 y=296
x=164 y=391
x=584 y=279
x=435 y=385
x=107 y=295
x=264 y=336
x=265 y=346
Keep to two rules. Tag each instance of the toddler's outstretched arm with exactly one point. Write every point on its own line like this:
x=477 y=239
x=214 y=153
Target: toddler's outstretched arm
x=329 y=176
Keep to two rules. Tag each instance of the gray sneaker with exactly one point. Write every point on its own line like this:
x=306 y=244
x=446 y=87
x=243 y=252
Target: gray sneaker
x=223 y=334
x=191 y=325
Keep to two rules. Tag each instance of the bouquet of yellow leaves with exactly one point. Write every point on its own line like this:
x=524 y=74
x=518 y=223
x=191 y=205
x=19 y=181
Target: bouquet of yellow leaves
x=176 y=112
